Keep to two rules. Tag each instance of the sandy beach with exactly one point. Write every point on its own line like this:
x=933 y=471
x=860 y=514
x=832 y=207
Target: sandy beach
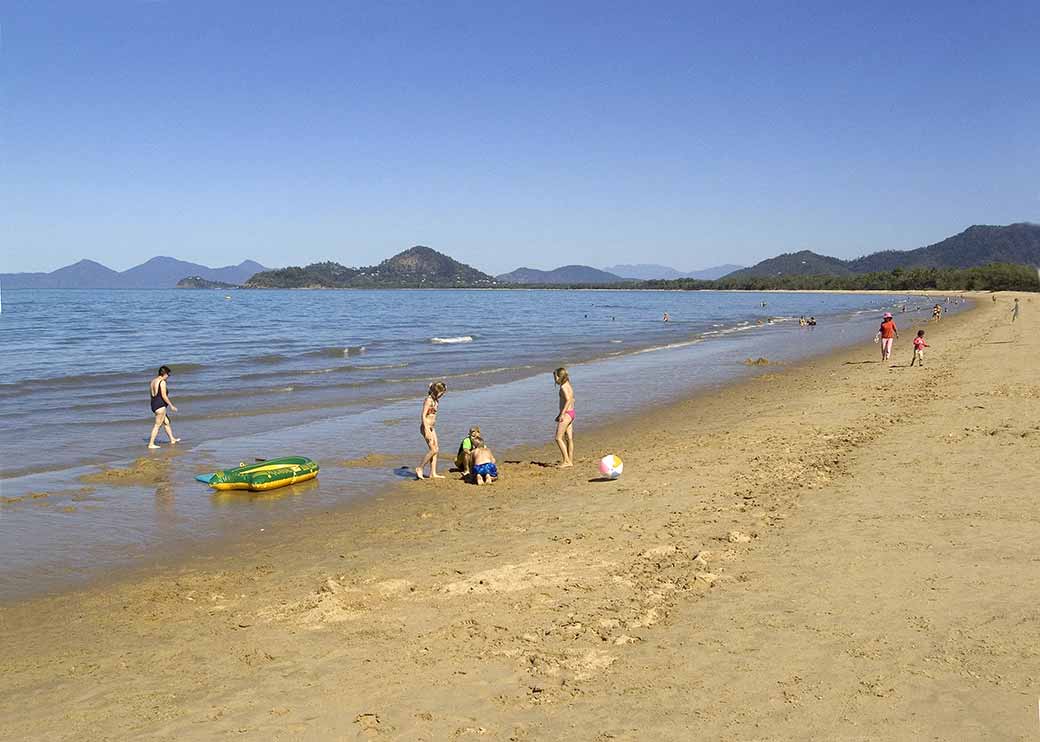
x=838 y=550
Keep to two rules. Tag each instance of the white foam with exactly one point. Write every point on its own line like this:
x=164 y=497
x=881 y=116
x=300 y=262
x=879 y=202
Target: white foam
x=452 y=341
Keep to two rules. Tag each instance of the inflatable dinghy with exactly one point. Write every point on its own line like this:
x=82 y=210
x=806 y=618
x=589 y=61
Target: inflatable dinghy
x=264 y=475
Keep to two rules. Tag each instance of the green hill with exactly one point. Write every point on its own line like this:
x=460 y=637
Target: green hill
x=804 y=263
x=976 y=246
x=568 y=274
x=417 y=267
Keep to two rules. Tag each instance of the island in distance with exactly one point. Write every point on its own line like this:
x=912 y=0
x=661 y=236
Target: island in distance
x=417 y=267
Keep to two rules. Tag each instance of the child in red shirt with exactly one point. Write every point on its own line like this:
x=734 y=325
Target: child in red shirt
x=919 y=346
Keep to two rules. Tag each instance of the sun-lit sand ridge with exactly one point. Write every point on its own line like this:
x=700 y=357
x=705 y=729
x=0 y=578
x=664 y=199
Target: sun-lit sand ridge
x=837 y=549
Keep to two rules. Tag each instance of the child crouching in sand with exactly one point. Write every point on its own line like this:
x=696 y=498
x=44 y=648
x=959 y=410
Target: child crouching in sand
x=464 y=457
x=484 y=469
x=919 y=346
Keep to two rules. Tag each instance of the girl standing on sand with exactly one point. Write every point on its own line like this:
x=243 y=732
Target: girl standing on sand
x=160 y=401
x=427 y=421
x=565 y=420
x=887 y=333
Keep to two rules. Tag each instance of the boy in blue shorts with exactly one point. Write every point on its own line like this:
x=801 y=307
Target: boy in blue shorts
x=484 y=469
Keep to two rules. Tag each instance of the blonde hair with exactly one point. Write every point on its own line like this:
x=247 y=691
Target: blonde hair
x=560 y=376
x=437 y=389
x=476 y=439
x=474 y=431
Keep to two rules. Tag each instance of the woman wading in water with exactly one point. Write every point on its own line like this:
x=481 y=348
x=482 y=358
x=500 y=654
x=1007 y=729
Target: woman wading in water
x=565 y=420
x=160 y=401
x=427 y=421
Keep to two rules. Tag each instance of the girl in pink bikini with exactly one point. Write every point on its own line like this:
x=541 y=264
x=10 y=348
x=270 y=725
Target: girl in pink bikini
x=565 y=420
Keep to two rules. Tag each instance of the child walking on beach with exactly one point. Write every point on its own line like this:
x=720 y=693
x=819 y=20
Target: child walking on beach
x=919 y=346
x=887 y=333
x=427 y=421
x=485 y=470
x=565 y=420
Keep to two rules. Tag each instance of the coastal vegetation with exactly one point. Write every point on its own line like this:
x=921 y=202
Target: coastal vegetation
x=198 y=282
x=992 y=277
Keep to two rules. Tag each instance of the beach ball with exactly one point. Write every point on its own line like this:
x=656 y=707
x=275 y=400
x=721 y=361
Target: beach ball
x=611 y=466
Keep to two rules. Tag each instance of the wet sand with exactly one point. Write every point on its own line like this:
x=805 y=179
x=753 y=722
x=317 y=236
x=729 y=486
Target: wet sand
x=837 y=549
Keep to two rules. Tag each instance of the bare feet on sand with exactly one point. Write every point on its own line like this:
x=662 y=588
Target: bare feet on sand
x=564 y=465
x=173 y=440
x=152 y=445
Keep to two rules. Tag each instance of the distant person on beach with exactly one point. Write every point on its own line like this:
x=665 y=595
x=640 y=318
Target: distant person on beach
x=464 y=457
x=801 y=321
x=811 y=322
x=937 y=311
x=485 y=470
x=887 y=333
x=160 y=403
x=919 y=346
x=1014 y=311
x=427 y=421
x=666 y=318
x=565 y=420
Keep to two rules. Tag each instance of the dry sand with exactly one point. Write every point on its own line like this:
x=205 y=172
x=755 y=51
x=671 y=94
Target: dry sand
x=837 y=550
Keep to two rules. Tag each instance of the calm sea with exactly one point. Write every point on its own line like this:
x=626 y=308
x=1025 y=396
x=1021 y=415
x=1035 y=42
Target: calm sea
x=333 y=375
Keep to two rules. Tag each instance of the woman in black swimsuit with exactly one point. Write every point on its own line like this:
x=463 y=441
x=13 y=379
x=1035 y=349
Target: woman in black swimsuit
x=160 y=401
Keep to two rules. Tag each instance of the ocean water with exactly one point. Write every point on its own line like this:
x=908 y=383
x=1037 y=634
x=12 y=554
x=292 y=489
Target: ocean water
x=334 y=375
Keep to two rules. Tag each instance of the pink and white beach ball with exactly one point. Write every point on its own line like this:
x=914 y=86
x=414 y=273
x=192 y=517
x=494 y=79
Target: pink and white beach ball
x=611 y=466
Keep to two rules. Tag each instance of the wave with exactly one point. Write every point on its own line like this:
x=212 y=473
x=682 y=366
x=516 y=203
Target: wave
x=669 y=346
x=337 y=352
x=266 y=358
x=346 y=368
x=100 y=379
x=452 y=340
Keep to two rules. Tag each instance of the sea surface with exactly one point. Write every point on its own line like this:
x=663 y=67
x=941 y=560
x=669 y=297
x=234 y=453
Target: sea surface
x=334 y=375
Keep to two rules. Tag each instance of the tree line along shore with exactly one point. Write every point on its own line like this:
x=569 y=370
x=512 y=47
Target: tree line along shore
x=992 y=277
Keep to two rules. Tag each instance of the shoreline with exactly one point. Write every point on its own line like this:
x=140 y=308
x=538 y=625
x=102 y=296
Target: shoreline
x=551 y=593
x=185 y=554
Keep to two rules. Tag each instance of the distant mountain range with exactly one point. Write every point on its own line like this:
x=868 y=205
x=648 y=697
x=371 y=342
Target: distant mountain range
x=649 y=272
x=157 y=273
x=568 y=274
x=422 y=266
x=417 y=267
x=976 y=246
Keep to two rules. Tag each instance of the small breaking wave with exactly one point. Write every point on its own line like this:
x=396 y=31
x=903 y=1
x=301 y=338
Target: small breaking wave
x=337 y=352
x=321 y=371
x=452 y=340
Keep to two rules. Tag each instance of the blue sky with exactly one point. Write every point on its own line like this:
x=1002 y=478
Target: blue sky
x=507 y=134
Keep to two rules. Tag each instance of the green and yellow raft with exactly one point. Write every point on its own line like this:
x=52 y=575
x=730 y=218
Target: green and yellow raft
x=264 y=475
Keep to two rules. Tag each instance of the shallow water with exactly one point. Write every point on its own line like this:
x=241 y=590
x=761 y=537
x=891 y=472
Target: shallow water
x=333 y=375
